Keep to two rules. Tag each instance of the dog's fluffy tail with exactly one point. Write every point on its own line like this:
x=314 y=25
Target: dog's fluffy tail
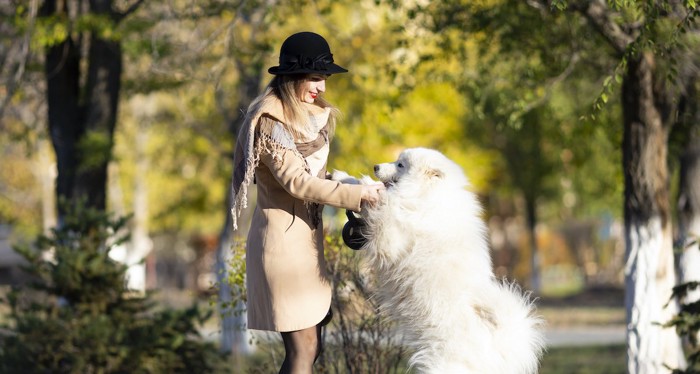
x=519 y=334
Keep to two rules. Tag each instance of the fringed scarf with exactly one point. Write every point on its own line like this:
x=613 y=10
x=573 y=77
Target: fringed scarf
x=274 y=140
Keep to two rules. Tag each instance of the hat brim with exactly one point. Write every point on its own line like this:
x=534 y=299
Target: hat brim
x=330 y=69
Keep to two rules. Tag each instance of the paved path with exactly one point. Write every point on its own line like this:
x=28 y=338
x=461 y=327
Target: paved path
x=556 y=337
x=576 y=336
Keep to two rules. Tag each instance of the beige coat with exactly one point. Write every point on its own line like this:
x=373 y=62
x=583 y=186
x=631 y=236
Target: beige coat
x=288 y=287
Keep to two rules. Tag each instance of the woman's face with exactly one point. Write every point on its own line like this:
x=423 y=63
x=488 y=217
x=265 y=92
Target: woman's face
x=311 y=87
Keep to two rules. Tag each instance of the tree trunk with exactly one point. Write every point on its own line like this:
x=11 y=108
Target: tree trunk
x=141 y=243
x=46 y=174
x=233 y=333
x=249 y=69
x=62 y=68
x=82 y=119
x=689 y=193
x=95 y=146
x=535 y=276
x=649 y=272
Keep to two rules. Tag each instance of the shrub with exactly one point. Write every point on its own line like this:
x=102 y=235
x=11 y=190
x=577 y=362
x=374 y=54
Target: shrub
x=687 y=321
x=357 y=340
x=77 y=316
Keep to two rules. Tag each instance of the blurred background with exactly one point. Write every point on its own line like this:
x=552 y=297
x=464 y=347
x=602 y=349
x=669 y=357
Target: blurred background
x=524 y=95
x=189 y=71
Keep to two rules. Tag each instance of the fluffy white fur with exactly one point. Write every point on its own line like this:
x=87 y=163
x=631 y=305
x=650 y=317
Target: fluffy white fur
x=427 y=245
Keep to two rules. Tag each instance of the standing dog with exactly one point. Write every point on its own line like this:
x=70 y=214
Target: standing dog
x=427 y=245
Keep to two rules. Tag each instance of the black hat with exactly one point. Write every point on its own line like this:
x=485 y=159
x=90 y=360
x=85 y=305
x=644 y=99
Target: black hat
x=305 y=53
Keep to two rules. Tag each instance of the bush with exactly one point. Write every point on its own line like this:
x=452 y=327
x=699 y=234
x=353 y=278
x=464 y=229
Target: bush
x=687 y=321
x=77 y=316
x=357 y=340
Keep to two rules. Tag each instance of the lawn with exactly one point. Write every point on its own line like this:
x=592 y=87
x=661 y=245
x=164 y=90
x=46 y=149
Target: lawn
x=565 y=360
x=595 y=309
x=585 y=360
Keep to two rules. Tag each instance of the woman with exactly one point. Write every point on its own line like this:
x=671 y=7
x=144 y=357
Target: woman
x=283 y=146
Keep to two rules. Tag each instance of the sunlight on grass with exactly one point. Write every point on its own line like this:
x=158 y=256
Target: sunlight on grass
x=561 y=280
x=585 y=360
x=567 y=360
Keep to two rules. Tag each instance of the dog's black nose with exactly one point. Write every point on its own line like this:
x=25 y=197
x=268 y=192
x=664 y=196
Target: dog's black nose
x=376 y=168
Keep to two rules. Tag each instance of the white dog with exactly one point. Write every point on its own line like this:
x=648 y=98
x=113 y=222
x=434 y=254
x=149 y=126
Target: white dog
x=428 y=248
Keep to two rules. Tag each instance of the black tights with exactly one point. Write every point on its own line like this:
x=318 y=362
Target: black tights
x=302 y=348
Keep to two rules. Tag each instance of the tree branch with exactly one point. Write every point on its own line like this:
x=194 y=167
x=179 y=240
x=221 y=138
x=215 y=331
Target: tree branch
x=120 y=16
x=17 y=69
x=550 y=84
x=600 y=16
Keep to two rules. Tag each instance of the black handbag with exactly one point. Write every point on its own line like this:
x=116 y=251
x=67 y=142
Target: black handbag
x=353 y=231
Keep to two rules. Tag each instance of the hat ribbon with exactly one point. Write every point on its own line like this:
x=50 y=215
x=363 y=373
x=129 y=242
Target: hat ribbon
x=300 y=61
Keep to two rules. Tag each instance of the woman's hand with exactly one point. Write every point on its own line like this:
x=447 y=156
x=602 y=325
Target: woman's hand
x=372 y=193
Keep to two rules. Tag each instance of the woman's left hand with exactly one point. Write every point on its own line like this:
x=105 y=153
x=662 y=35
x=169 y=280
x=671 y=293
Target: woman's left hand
x=372 y=193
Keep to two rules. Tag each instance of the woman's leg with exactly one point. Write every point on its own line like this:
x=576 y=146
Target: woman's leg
x=302 y=348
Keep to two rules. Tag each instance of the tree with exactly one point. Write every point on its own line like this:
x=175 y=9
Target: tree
x=647 y=116
x=83 y=92
x=649 y=99
x=685 y=141
x=630 y=31
x=15 y=52
x=248 y=56
x=78 y=316
x=511 y=77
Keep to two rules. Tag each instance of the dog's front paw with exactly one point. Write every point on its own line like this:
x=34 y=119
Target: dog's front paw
x=343 y=177
x=366 y=179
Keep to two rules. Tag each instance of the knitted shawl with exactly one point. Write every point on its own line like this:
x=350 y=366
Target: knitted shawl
x=268 y=135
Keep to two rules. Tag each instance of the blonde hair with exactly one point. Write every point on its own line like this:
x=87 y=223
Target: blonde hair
x=287 y=88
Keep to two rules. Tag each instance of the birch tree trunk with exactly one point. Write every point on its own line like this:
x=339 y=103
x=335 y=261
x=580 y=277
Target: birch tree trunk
x=141 y=244
x=649 y=267
x=233 y=334
x=689 y=192
x=46 y=173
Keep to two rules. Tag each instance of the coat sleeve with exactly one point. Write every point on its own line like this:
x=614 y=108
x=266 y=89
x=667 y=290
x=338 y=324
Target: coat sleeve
x=289 y=170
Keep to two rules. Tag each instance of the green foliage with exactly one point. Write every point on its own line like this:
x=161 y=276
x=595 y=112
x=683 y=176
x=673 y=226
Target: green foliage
x=357 y=340
x=235 y=281
x=585 y=360
x=78 y=317
x=49 y=31
x=687 y=321
x=361 y=340
x=525 y=86
x=52 y=30
x=96 y=146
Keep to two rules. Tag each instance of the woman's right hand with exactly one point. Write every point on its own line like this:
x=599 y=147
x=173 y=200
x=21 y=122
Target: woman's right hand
x=372 y=193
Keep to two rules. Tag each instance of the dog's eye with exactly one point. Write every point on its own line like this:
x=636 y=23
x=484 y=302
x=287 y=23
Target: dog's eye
x=400 y=165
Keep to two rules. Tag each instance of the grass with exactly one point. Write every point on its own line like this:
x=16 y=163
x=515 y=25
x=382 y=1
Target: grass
x=578 y=311
x=565 y=360
x=585 y=360
x=557 y=313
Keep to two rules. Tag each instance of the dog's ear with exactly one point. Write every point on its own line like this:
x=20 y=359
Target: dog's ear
x=434 y=173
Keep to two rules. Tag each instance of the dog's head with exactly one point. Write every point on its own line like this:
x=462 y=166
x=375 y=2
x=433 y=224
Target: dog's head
x=422 y=166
